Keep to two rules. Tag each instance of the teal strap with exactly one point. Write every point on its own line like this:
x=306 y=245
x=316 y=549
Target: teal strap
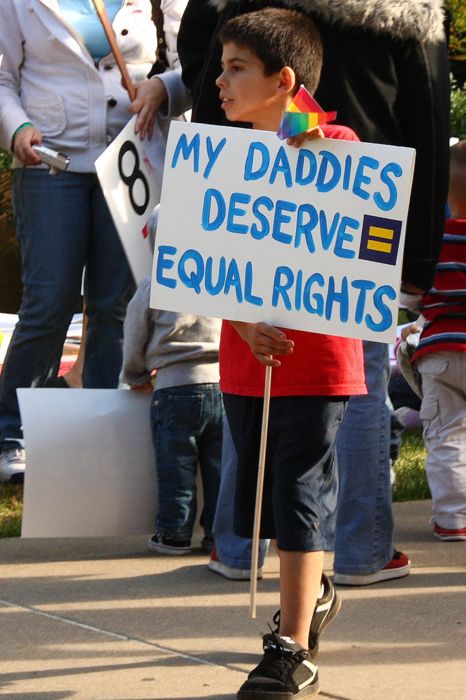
x=19 y=129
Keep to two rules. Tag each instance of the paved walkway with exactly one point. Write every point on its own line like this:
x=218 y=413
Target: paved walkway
x=106 y=619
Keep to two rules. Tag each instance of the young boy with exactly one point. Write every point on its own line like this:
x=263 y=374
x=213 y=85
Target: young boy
x=186 y=413
x=441 y=360
x=266 y=56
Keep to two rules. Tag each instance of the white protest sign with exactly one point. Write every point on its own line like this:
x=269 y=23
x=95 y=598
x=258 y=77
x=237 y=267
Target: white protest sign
x=131 y=183
x=254 y=230
x=91 y=465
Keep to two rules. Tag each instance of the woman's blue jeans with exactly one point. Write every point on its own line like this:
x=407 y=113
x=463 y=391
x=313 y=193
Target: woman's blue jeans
x=63 y=225
x=232 y=550
x=364 y=529
x=187 y=426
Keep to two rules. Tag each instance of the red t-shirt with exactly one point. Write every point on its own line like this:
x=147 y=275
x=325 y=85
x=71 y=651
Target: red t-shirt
x=320 y=365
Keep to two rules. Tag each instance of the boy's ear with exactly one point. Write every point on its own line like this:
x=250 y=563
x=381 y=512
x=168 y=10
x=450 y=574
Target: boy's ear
x=287 y=80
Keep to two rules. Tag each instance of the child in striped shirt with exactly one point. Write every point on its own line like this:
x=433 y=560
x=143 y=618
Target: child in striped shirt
x=440 y=358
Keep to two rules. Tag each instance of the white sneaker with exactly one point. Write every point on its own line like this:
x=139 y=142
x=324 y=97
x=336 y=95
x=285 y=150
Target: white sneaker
x=230 y=572
x=12 y=463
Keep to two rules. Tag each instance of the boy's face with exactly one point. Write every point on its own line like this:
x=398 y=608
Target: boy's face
x=246 y=93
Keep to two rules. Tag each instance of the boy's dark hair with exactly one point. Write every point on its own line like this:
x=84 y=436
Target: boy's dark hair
x=279 y=38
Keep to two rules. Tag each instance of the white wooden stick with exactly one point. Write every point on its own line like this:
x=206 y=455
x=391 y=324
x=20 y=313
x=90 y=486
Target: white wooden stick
x=110 y=34
x=259 y=490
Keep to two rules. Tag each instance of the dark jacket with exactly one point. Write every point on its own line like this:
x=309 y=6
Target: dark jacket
x=385 y=72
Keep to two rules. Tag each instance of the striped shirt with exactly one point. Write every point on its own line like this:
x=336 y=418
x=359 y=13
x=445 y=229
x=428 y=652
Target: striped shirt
x=444 y=305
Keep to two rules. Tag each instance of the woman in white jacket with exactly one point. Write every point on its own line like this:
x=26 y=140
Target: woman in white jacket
x=60 y=85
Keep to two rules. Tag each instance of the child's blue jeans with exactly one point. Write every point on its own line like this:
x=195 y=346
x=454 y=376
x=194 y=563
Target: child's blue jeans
x=186 y=426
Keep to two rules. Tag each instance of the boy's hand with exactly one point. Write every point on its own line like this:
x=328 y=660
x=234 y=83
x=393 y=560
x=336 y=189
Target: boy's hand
x=264 y=341
x=408 y=330
x=310 y=135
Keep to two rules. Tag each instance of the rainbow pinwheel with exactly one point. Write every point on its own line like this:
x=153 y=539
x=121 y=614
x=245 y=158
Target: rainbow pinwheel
x=304 y=113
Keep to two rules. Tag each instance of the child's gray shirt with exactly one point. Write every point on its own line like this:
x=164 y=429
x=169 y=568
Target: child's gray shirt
x=183 y=348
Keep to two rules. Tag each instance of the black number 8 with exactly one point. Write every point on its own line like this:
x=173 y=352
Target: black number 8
x=131 y=179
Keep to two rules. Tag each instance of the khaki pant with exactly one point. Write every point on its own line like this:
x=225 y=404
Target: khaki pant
x=443 y=414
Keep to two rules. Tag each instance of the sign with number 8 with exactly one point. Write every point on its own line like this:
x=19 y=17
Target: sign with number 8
x=132 y=189
x=136 y=175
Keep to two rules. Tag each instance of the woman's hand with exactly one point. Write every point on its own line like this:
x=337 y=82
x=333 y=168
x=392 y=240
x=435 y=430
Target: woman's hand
x=27 y=137
x=264 y=341
x=146 y=388
x=151 y=95
x=309 y=135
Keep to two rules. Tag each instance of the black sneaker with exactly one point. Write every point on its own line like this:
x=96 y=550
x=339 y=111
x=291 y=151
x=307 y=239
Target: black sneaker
x=165 y=545
x=327 y=608
x=283 y=673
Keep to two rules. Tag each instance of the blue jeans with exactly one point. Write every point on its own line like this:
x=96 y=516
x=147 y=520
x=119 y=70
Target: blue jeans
x=232 y=550
x=63 y=225
x=186 y=426
x=364 y=529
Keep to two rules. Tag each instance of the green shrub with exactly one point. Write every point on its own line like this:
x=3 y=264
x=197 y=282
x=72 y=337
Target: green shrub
x=10 y=258
x=5 y=160
x=457 y=36
x=458 y=112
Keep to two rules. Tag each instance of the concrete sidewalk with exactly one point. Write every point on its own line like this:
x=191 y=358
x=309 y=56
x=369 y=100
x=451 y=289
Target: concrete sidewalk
x=106 y=619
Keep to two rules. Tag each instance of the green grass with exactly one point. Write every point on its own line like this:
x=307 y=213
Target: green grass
x=410 y=484
x=11 y=510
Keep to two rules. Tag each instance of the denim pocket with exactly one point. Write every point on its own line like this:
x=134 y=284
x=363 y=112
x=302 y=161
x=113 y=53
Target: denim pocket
x=181 y=411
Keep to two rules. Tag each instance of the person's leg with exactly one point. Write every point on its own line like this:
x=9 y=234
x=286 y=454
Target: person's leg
x=302 y=469
x=175 y=418
x=109 y=286
x=286 y=670
x=74 y=376
x=210 y=453
x=443 y=413
x=300 y=582
x=364 y=529
x=232 y=551
x=52 y=223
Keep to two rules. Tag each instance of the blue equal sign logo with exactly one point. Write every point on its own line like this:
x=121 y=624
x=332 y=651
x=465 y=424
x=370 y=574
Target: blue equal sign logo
x=380 y=239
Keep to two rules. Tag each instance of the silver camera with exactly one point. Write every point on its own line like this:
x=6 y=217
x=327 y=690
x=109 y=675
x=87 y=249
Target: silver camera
x=54 y=159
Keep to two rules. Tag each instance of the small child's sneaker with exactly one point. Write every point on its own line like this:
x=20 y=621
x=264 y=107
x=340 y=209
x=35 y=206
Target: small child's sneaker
x=165 y=545
x=284 y=672
x=446 y=535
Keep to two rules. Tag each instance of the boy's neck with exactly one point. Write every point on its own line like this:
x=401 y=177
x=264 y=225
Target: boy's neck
x=271 y=121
